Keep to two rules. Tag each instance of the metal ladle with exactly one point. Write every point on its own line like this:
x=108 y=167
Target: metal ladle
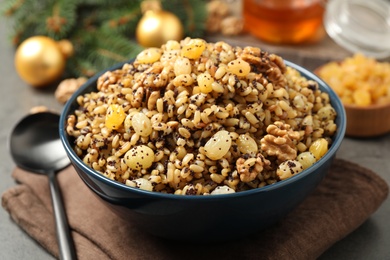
x=35 y=146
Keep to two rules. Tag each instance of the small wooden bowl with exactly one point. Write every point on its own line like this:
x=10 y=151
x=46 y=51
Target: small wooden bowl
x=365 y=121
x=368 y=121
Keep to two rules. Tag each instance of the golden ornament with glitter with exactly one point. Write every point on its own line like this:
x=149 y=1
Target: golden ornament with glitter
x=40 y=60
x=157 y=26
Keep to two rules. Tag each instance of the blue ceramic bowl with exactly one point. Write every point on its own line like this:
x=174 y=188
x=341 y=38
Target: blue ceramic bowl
x=216 y=217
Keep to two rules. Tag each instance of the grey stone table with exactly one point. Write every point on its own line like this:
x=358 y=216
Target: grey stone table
x=369 y=241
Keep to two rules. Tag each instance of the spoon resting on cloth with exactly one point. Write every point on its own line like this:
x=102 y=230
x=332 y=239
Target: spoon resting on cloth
x=35 y=146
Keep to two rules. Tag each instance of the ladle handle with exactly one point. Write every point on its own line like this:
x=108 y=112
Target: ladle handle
x=65 y=241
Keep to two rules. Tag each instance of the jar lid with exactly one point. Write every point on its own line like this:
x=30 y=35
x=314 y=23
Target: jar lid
x=360 y=25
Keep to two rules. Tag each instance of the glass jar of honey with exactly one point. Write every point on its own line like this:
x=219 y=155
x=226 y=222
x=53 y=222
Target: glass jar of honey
x=285 y=21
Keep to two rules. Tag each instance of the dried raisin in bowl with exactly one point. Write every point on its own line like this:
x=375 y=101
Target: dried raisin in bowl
x=363 y=120
x=209 y=217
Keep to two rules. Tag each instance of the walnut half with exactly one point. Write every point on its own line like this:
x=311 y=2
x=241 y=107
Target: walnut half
x=67 y=87
x=270 y=65
x=279 y=141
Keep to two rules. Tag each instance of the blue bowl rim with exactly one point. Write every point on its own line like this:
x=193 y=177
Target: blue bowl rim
x=338 y=138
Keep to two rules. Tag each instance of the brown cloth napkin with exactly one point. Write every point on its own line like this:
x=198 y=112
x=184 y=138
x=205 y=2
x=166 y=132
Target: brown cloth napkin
x=347 y=196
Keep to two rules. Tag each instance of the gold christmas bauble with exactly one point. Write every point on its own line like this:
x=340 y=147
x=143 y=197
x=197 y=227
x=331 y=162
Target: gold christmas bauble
x=156 y=27
x=39 y=61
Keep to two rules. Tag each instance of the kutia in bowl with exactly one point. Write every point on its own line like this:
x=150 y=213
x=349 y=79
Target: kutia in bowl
x=203 y=141
x=363 y=84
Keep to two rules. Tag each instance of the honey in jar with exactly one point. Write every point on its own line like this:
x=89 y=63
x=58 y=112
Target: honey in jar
x=284 y=21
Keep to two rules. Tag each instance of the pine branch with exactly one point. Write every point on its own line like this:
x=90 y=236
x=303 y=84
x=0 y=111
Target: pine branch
x=60 y=18
x=96 y=2
x=122 y=20
x=100 y=49
x=24 y=21
x=10 y=7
